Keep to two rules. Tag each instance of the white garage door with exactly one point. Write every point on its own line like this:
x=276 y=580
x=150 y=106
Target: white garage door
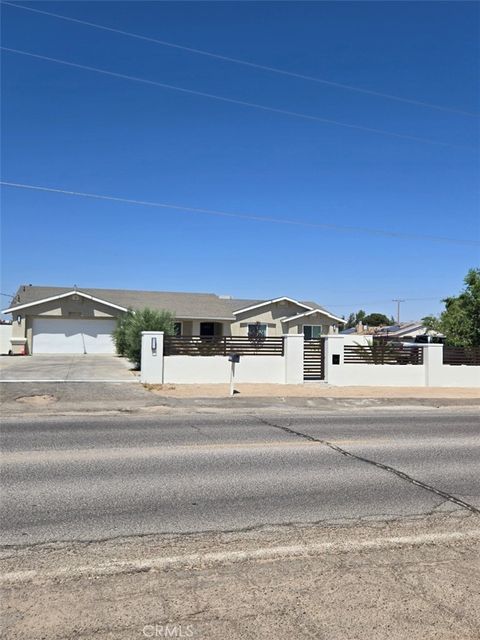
x=59 y=335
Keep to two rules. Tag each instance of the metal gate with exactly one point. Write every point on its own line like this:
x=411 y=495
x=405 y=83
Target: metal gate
x=313 y=359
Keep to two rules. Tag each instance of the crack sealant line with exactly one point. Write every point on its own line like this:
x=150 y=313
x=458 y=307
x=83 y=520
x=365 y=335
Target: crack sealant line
x=379 y=465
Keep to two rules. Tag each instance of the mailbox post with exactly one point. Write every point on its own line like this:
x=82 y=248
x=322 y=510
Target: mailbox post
x=233 y=358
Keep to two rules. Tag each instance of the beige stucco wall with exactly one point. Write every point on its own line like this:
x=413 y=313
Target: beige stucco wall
x=315 y=319
x=272 y=314
x=66 y=307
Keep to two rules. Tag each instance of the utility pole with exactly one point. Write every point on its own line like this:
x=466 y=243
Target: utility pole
x=398 y=301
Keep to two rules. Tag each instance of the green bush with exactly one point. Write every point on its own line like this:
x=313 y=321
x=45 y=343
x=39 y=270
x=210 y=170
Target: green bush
x=128 y=334
x=120 y=333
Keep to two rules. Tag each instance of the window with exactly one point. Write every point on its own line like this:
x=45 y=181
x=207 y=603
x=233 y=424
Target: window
x=312 y=331
x=257 y=330
x=177 y=328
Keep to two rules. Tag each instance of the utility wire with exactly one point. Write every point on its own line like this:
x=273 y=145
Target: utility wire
x=366 y=304
x=244 y=216
x=243 y=103
x=217 y=56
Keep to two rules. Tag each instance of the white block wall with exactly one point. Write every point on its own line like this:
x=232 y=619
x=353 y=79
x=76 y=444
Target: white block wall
x=288 y=369
x=5 y=335
x=376 y=375
x=216 y=369
x=156 y=369
x=432 y=373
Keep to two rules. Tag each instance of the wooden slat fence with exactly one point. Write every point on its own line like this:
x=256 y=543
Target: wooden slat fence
x=223 y=346
x=382 y=353
x=461 y=355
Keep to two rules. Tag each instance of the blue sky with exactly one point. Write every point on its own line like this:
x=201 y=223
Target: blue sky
x=81 y=131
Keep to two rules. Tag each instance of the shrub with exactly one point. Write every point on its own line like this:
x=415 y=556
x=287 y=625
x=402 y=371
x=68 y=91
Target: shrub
x=120 y=333
x=128 y=335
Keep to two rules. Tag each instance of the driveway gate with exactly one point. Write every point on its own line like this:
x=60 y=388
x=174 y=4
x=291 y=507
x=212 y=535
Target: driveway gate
x=314 y=359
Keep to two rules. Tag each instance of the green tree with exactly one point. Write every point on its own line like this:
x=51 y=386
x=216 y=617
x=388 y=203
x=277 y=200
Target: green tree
x=130 y=327
x=460 y=322
x=376 y=320
x=354 y=318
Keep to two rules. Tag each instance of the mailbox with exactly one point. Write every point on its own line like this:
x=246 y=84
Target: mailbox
x=234 y=357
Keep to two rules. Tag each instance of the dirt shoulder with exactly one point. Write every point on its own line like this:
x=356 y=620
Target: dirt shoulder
x=402 y=580
x=309 y=390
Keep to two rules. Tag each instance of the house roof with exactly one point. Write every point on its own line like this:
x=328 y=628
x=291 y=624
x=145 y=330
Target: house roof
x=263 y=303
x=183 y=305
x=19 y=307
x=400 y=329
x=312 y=312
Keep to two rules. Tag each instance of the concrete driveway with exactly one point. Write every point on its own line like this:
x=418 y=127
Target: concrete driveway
x=66 y=368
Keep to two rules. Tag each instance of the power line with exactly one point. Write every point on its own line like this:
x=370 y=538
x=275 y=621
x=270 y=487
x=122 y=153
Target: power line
x=243 y=216
x=242 y=103
x=359 y=305
x=246 y=63
x=7 y=295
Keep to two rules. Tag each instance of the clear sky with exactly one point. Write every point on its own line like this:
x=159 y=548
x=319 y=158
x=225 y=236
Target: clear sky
x=78 y=130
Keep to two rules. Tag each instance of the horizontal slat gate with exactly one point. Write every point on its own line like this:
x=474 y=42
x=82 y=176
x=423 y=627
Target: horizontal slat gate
x=313 y=359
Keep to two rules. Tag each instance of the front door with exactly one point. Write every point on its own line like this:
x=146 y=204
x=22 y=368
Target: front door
x=210 y=329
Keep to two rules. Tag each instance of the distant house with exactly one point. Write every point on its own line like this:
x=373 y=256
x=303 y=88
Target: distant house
x=65 y=320
x=407 y=331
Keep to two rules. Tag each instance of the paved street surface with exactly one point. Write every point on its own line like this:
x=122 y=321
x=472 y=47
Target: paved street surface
x=91 y=477
x=355 y=524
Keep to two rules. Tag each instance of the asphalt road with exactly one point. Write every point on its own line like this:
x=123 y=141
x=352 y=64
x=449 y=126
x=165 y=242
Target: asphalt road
x=87 y=478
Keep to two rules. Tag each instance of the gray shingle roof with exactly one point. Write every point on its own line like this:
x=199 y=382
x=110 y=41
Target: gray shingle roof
x=183 y=305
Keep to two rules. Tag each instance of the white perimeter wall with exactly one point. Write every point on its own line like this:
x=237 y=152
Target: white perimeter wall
x=5 y=335
x=157 y=369
x=432 y=373
x=216 y=369
x=449 y=375
x=288 y=369
x=376 y=375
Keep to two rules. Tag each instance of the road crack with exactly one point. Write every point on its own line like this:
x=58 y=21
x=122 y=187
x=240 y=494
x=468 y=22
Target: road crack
x=380 y=465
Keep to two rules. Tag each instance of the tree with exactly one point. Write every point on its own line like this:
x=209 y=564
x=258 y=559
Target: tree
x=128 y=334
x=376 y=320
x=372 y=319
x=460 y=322
x=354 y=319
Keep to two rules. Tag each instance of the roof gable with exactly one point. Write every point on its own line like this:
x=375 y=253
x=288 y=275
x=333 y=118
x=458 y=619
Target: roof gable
x=312 y=312
x=73 y=292
x=267 y=302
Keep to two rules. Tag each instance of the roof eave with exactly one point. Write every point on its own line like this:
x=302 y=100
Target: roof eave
x=313 y=311
x=20 y=307
x=267 y=302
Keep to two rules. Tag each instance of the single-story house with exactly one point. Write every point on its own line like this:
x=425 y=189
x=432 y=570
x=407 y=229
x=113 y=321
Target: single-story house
x=81 y=320
x=406 y=331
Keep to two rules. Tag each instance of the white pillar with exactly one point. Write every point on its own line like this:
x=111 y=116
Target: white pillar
x=152 y=357
x=432 y=362
x=334 y=347
x=293 y=354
